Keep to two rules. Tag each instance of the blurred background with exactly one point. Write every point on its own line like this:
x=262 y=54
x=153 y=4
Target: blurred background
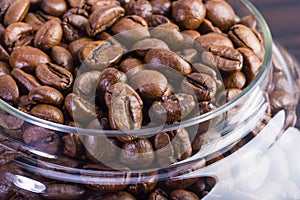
x=283 y=17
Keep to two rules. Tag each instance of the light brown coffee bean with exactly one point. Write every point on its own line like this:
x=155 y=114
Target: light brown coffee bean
x=16 y=11
x=235 y=80
x=46 y=94
x=55 y=7
x=212 y=39
x=62 y=57
x=48 y=112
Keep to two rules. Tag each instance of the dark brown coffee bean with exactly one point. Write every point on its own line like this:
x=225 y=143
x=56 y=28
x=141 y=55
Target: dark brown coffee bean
x=204 y=107
x=224 y=58
x=212 y=39
x=75 y=47
x=200 y=85
x=63 y=191
x=141 y=8
x=181 y=144
x=164 y=150
x=146 y=183
x=131 y=66
x=235 y=80
x=207 y=27
x=34 y=21
x=16 y=11
x=143 y=46
x=100 y=54
x=49 y=35
x=54 y=76
x=4 y=69
x=10 y=122
x=169 y=33
x=103 y=18
x=149 y=84
x=125 y=107
x=242 y=36
x=73 y=146
x=18 y=34
x=46 y=94
x=174 y=108
x=156 y=20
x=220 y=13
x=26 y=81
x=86 y=84
x=183 y=194
x=4 y=5
x=62 y=57
x=100 y=148
x=189 y=37
x=4 y=56
x=54 y=7
x=251 y=63
x=137 y=154
x=9 y=90
x=118 y=196
x=73 y=24
x=158 y=194
x=161 y=7
x=48 y=112
x=188 y=13
x=24 y=104
x=42 y=139
x=161 y=57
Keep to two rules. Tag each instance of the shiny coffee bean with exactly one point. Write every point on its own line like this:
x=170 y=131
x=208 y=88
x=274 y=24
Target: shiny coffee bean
x=62 y=191
x=183 y=194
x=146 y=183
x=75 y=47
x=10 y=122
x=131 y=66
x=158 y=194
x=62 y=57
x=16 y=11
x=9 y=90
x=125 y=107
x=221 y=14
x=54 y=76
x=149 y=84
x=4 y=56
x=4 y=69
x=118 y=196
x=104 y=3
x=164 y=150
x=73 y=146
x=46 y=94
x=212 y=39
x=55 y=7
x=181 y=144
x=156 y=20
x=48 y=112
x=49 y=35
x=189 y=37
x=235 y=80
x=207 y=27
x=103 y=18
x=190 y=55
x=141 y=8
x=202 y=86
x=137 y=154
x=188 y=13
x=161 y=57
x=18 y=34
x=224 y=58
x=34 y=20
x=25 y=80
x=100 y=54
x=249 y=21
x=27 y=58
x=161 y=7
x=227 y=95
x=143 y=46
x=174 y=108
x=4 y=5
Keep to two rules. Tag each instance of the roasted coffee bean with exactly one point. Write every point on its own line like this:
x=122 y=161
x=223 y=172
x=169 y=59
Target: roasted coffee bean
x=48 y=112
x=75 y=47
x=100 y=54
x=200 y=85
x=85 y=85
x=146 y=183
x=125 y=107
x=221 y=14
x=131 y=66
x=73 y=24
x=9 y=90
x=42 y=139
x=63 y=191
x=143 y=46
x=4 y=69
x=99 y=124
x=4 y=56
x=212 y=39
x=130 y=29
x=207 y=27
x=159 y=58
x=251 y=64
x=156 y=20
x=101 y=4
x=183 y=194
x=137 y=154
x=27 y=58
x=118 y=196
x=62 y=57
x=100 y=148
x=141 y=8
x=189 y=37
x=190 y=55
x=181 y=144
x=49 y=35
x=224 y=58
x=281 y=100
x=169 y=33
x=46 y=94
x=34 y=21
x=26 y=81
x=158 y=194
x=54 y=7
x=73 y=146
x=10 y=122
x=227 y=95
x=103 y=18
x=164 y=150
x=161 y=7
x=204 y=107
x=4 y=5
x=235 y=80
x=174 y=108
x=16 y=11
x=24 y=104
x=18 y=34
x=188 y=13
x=54 y=76
x=249 y=21
x=149 y=84
x=242 y=36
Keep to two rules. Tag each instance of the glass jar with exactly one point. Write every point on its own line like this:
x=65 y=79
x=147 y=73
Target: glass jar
x=236 y=158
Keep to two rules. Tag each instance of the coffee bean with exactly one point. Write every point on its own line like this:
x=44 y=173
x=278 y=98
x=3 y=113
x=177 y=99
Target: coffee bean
x=141 y=8
x=49 y=35
x=212 y=39
x=207 y=27
x=75 y=46
x=46 y=94
x=181 y=144
x=10 y=122
x=4 y=69
x=62 y=57
x=73 y=146
x=16 y=11
x=25 y=81
x=9 y=90
x=183 y=194
x=34 y=20
x=249 y=21
x=27 y=58
x=158 y=194
x=63 y=191
x=131 y=66
x=188 y=14
x=145 y=184
x=235 y=80
x=4 y=56
x=55 y=8
x=164 y=150
x=156 y=20
x=48 y=112
x=118 y=196
x=101 y=4
x=161 y=7
x=54 y=76
x=103 y=18
x=189 y=37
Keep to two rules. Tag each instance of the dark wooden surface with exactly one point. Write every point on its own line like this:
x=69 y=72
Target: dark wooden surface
x=283 y=17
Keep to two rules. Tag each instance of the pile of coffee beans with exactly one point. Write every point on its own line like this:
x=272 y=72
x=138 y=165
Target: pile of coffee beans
x=122 y=65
